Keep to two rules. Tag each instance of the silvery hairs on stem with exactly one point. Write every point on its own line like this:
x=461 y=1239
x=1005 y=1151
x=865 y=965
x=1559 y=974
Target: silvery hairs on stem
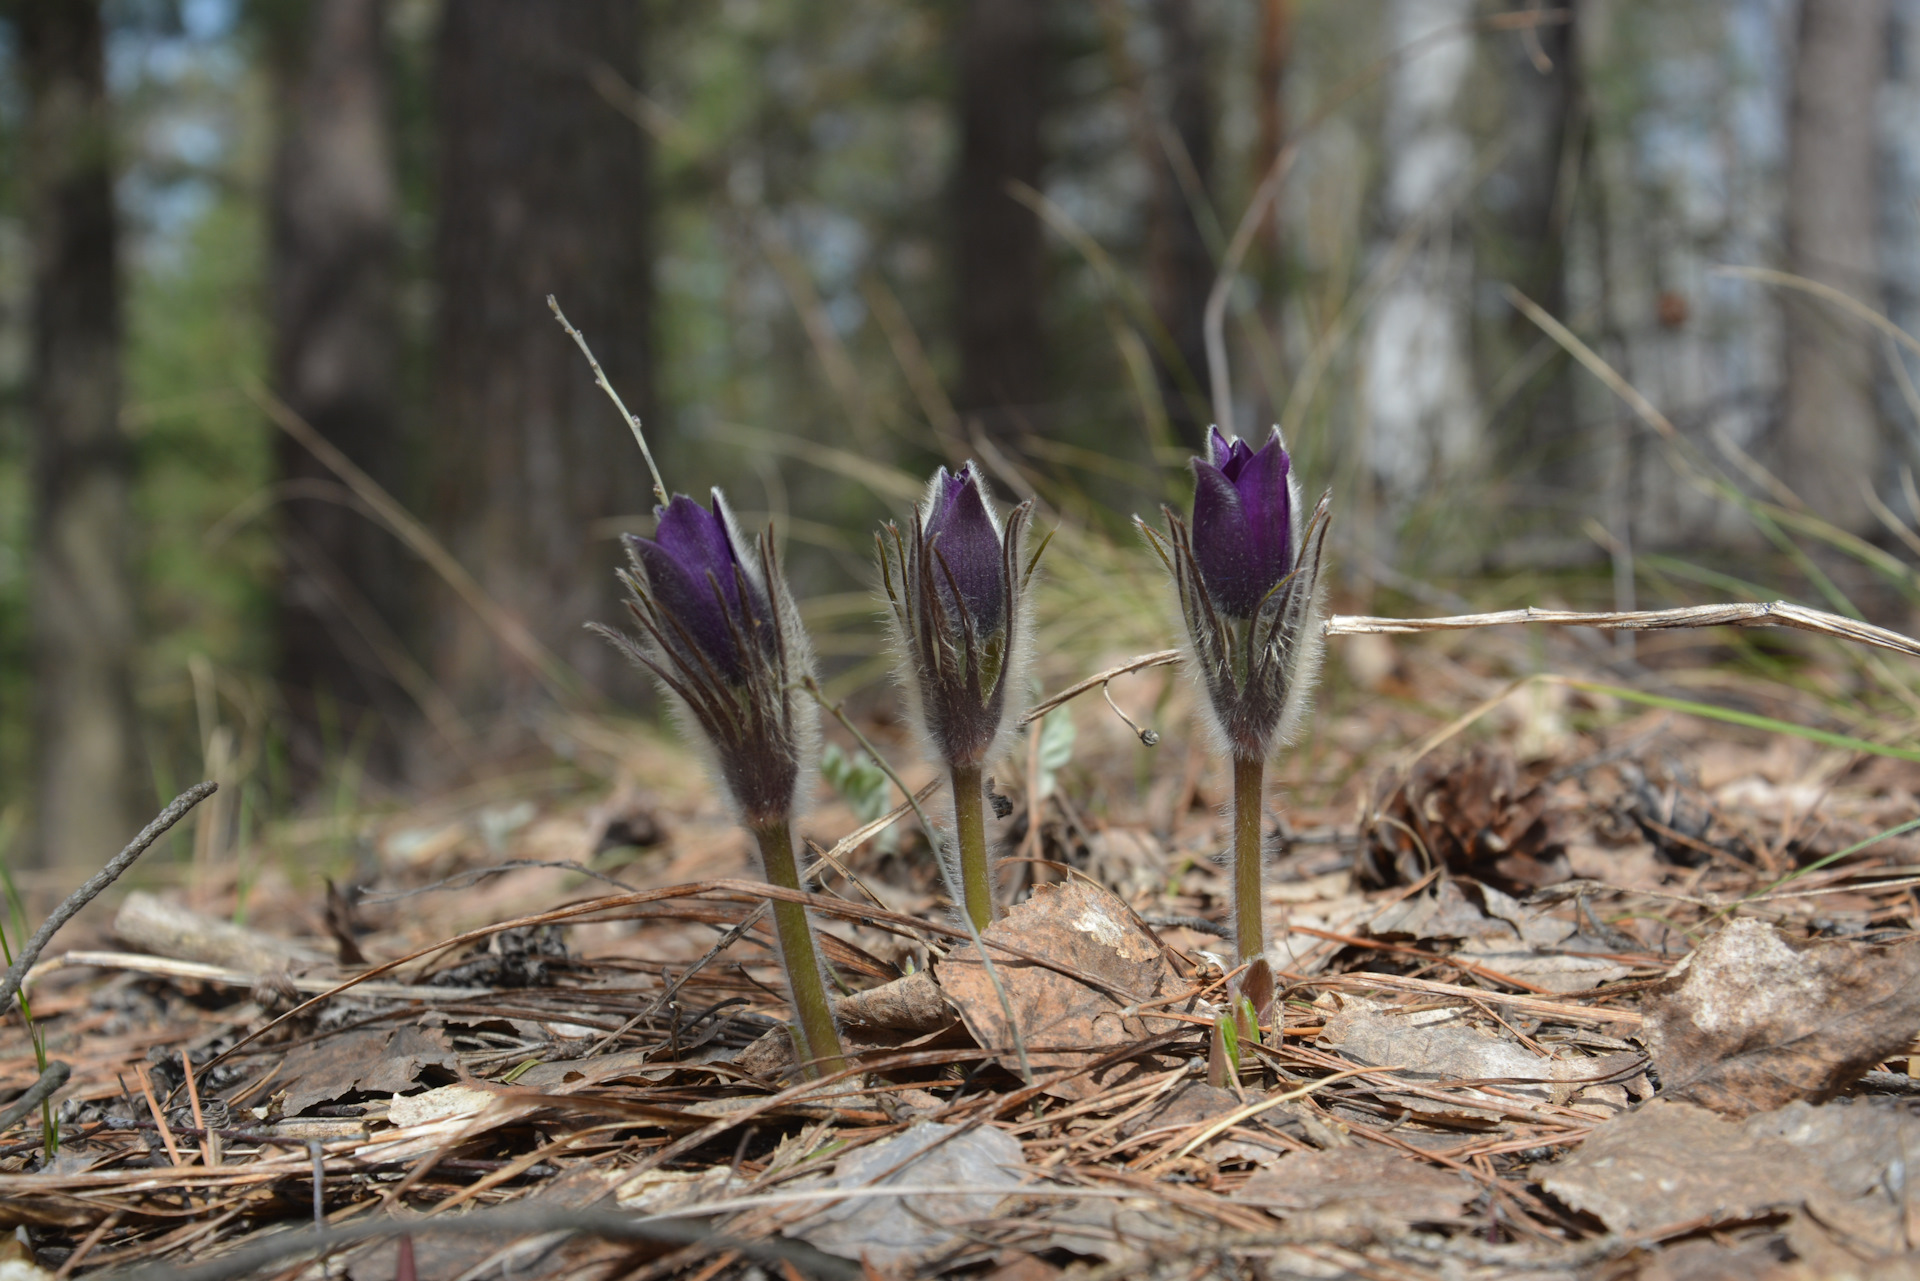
x=962 y=628
x=721 y=634
x=1247 y=575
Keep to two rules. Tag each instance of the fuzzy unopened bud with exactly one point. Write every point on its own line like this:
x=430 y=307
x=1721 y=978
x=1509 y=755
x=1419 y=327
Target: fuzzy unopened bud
x=720 y=632
x=1248 y=574
x=957 y=588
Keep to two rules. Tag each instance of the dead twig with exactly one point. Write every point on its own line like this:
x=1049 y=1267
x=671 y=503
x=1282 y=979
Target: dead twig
x=17 y=972
x=1776 y=613
x=50 y=1080
x=529 y=1219
x=1139 y=662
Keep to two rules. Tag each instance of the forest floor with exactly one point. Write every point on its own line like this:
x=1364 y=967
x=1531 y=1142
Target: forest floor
x=1569 y=987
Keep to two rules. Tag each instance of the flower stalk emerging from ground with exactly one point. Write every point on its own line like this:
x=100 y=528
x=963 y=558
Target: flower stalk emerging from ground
x=957 y=588
x=1247 y=573
x=720 y=632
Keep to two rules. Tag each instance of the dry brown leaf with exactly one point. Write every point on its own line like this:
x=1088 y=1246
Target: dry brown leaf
x=1755 y=1020
x=911 y=1004
x=1121 y=1232
x=370 y=1062
x=1554 y=971
x=1354 y=1189
x=571 y=1076
x=516 y=1254
x=909 y=1011
x=1439 y=1048
x=1670 y=1163
x=1193 y=1104
x=890 y=1231
x=1063 y=1021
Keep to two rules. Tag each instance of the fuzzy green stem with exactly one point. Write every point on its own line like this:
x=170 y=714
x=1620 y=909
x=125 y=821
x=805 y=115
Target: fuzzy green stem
x=1249 y=927
x=819 y=1039
x=970 y=828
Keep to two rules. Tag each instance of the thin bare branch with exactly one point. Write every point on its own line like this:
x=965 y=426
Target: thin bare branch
x=17 y=972
x=600 y=377
x=1776 y=613
x=1140 y=662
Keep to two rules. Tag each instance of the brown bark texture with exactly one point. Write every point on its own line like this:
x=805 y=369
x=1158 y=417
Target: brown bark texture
x=1832 y=440
x=1180 y=269
x=345 y=597
x=85 y=729
x=543 y=190
x=997 y=239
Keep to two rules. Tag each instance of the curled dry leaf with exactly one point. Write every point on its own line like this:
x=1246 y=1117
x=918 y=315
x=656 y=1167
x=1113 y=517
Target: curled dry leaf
x=1672 y=1163
x=903 y=1012
x=1755 y=1020
x=910 y=1004
x=1063 y=1021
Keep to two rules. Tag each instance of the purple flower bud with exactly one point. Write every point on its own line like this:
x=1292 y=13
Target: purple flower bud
x=957 y=585
x=961 y=528
x=720 y=632
x=1247 y=574
x=690 y=565
x=1243 y=506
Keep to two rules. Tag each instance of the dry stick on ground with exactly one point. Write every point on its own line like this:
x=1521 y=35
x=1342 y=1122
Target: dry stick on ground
x=17 y=973
x=50 y=1080
x=613 y=1225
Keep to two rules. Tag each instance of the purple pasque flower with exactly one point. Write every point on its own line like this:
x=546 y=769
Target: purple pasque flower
x=720 y=632
x=956 y=583
x=1247 y=573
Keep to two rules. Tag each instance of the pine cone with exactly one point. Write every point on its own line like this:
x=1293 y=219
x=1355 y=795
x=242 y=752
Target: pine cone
x=1474 y=816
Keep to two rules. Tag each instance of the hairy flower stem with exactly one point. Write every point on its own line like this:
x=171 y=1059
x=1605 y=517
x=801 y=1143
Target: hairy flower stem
x=1249 y=926
x=970 y=827
x=819 y=1039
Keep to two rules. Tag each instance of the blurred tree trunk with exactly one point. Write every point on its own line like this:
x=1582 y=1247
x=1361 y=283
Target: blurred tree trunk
x=543 y=190
x=1268 y=260
x=1832 y=440
x=1422 y=408
x=345 y=592
x=1525 y=207
x=86 y=732
x=1180 y=269
x=998 y=251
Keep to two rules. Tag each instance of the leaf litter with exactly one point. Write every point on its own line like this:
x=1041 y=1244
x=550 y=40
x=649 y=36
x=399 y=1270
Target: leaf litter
x=1552 y=1018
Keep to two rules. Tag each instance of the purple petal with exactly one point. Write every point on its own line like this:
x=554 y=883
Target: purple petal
x=1234 y=456
x=688 y=553
x=1264 y=498
x=1242 y=525
x=1221 y=544
x=1219 y=448
x=963 y=533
